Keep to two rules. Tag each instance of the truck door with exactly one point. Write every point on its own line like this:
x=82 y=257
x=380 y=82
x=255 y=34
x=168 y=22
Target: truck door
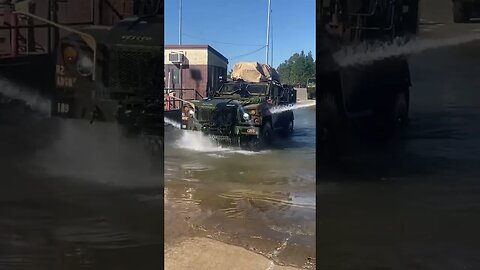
x=278 y=100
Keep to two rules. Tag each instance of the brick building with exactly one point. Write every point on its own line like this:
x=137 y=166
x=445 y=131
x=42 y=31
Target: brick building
x=201 y=67
x=73 y=13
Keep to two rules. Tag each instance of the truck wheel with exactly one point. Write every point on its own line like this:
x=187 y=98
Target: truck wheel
x=287 y=131
x=266 y=134
x=460 y=13
x=394 y=117
x=329 y=126
x=264 y=139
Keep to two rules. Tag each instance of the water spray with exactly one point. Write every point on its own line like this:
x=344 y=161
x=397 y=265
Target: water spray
x=284 y=108
x=365 y=54
x=33 y=100
x=173 y=123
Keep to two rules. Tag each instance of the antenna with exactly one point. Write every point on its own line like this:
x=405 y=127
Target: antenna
x=180 y=24
x=271 y=60
x=268 y=29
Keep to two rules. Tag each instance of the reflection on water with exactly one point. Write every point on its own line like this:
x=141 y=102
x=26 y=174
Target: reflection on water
x=64 y=203
x=264 y=201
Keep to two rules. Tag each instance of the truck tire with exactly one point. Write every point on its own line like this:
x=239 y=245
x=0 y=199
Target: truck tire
x=460 y=13
x=393 y=117
x=287 y=131
x=329 y=126
x=266 y=134
x=264 y=139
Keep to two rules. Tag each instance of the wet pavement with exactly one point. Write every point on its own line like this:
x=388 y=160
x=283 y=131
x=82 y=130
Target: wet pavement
x=413 y=204
x=70 y=200
x=262 y=201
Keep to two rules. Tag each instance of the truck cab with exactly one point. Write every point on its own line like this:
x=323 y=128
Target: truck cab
x=464 y=10
x=311 y=88
x=118 y=77
x=370 y=98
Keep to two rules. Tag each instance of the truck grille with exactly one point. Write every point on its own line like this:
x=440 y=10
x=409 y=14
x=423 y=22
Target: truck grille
x=224 y=117
x=205 y=114
x=135 y=67
x=215 y=116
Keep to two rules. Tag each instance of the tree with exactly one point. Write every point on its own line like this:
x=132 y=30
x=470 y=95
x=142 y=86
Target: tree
x=297 y=69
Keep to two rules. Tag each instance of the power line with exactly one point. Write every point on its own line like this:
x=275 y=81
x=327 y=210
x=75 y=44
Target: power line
x=221 y=42
x=247 y=54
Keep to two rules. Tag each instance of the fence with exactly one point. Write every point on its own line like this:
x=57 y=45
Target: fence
x=173 y=97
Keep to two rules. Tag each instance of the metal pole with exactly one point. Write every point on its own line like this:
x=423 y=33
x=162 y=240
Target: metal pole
x=14 y=35
x=31 y=29
x=180 y=24
x=268 y=30
x=180 y=80
x=271 y=60
x=49 y=32
x=92 y=11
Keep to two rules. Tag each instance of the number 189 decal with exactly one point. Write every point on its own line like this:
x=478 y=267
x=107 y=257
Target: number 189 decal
x=63 y=108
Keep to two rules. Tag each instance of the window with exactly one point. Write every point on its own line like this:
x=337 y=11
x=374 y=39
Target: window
x=175 y=76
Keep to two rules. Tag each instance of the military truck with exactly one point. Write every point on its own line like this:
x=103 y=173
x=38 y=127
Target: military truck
x=311 y=88
x=371 y=98
x=247 y=111
x=114 y=73
x=464 y=10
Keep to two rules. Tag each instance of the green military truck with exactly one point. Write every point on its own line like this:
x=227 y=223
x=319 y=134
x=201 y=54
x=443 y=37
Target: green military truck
x=371 y=99
x=246 y=111
x=114 y=73
x=464 y=10
x=311 y=88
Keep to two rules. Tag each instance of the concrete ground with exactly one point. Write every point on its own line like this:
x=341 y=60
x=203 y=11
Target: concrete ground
x=204 y=254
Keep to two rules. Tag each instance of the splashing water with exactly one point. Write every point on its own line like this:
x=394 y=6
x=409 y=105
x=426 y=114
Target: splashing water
x=198 y=142
x=34 y=101
x=172 y=123
x=280 y=109
x=366 y=54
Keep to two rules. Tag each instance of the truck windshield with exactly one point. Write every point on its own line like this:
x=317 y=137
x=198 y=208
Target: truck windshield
x=257 y=89
x=229 y=89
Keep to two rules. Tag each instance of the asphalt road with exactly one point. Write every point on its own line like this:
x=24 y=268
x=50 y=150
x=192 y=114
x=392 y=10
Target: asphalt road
x=414 y=204
x=75 y=196
x=261 y=201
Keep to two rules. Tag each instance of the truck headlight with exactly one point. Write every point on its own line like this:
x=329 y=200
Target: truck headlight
x=85 y=66
x=70 y=54
x=246 y=116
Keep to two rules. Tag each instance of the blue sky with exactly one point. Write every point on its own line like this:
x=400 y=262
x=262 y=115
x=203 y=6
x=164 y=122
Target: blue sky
x=244 y=22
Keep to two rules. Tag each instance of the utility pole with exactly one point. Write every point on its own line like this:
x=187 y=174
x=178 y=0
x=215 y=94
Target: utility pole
x=271 y=60
x=180 y=24
x=268 y=30
x=180 y=77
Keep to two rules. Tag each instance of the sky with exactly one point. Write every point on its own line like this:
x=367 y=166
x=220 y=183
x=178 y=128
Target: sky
x=238 y=28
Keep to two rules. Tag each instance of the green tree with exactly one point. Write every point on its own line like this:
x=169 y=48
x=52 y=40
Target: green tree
x=297 y=69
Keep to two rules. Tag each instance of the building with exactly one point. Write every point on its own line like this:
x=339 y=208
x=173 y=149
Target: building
x=72 y=13
x=27 y=45
x=195 y=68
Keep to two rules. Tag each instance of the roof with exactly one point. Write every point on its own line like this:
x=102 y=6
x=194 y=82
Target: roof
x=203 y=47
